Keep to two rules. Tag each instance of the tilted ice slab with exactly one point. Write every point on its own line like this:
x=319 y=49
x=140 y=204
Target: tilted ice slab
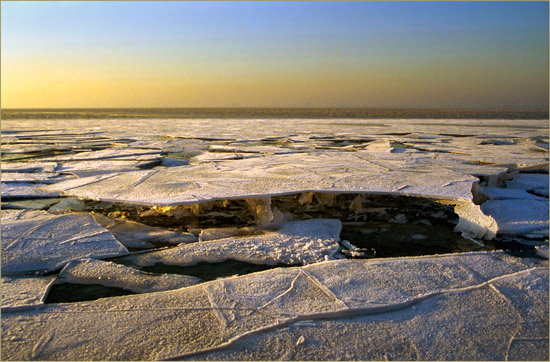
x=472 y=306
x=41 y=177
x=24 y=292
x=136 y=235
x=295 y=242
x=90 y=271
x=115 y=153
x=23 y=190
x=40 y=241
x=521 y=216
x=29 y=167
x=276 y=175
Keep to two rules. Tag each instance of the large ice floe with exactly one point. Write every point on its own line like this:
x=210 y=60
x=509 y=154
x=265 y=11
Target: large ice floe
x=474 y=306
x=166 y=214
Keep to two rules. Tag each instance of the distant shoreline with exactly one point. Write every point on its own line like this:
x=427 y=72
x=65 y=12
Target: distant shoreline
x=280 y=113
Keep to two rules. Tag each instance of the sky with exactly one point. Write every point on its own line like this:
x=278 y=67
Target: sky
x=80 y=54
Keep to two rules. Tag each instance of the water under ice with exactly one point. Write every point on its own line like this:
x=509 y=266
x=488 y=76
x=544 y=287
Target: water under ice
x=39 y=241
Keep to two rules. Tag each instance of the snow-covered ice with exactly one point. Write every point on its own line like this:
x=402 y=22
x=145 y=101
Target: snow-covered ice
x=39 y=241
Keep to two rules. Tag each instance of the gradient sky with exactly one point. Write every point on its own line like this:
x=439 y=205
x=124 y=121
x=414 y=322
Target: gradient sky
x=274 y=54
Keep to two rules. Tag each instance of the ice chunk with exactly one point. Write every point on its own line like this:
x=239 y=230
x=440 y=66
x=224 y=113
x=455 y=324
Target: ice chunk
x=24 y=292
x=518 y=216
x=36 y=204
x=28 y=167
x=526 y=182
x=68 y=204
x=260 y=207
x=297 y=242
x=91 y=271
x=42 y=177
x=222 y=233
x=25 y=191
x=542 y=251
x=39 y=241
x=135 y=235
x=474 y=222
x=499 y=193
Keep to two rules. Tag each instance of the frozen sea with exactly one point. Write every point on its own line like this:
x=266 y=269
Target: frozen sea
x=267 y=234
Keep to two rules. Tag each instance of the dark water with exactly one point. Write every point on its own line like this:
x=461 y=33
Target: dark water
x=247 y=113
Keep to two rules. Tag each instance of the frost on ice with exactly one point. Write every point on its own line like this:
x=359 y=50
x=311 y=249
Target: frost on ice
x=23 y=292
x=39 y=241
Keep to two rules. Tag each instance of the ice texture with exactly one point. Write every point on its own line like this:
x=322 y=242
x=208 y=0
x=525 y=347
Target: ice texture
x=295 y=242
x=91 y=271
x=24 y=292
x=29 y=167
x=471 y=306
x=40 y=241
x=135 y=235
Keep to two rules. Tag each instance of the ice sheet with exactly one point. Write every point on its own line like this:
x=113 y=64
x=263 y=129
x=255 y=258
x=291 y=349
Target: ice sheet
x=40 y=241
x=276 y=175
x=24 y=292
x=28 y=166
x=91 y=271
x=403 y=308
x=297 y=242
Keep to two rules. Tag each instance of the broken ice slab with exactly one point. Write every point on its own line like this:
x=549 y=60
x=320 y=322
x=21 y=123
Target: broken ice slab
x=24 y=292
x=522 y=216
x=114 y=153
x=91 y=271
x=68 y=204
x=276 y=175
x=542 y=251
x=135 y=235
x=536 y=183
x=228 y=232
x=36 y=204
x=500 y=193
x=218 y=156
x=22 y=190
x=346 y=309
x=28 y=167
x=270 y=150
x=41 y=177
x=296 y=242
x=37 y=241
x=99 y=167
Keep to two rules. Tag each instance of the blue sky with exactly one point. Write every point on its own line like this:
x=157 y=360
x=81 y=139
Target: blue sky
x=385 y=54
